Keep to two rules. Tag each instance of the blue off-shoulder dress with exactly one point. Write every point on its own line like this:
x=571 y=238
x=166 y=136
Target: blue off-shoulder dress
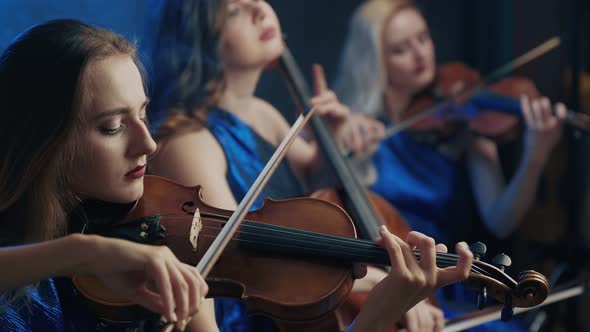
x=246 y=153
x=430 y=187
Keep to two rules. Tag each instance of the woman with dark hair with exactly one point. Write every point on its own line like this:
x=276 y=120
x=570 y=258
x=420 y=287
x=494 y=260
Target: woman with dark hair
x=73 y=130
x=207 y=58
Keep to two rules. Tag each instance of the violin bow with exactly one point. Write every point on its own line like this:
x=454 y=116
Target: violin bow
x=494 y=313
x=490 y=78
x=227 y=232
x=212 y=254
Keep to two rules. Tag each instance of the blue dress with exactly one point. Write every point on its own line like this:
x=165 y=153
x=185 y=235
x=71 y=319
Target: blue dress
x=41 y=311
x=56 y=305
x=430 y=188
x=53 y=305
x=246 y=153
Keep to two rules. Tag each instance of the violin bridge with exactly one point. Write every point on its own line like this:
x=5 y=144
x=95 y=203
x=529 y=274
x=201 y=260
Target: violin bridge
x=196 y=227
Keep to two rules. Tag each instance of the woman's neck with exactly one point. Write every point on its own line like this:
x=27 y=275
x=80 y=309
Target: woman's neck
x=396 y=102
x=238 y=92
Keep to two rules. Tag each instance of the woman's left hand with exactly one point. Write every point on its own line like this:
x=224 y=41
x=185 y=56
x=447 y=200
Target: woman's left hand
x=543 y=127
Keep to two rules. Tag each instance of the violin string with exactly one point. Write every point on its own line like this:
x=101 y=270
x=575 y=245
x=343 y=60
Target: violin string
x=289 y=232
x=368 y=244
x=351 y=246
x=441 y=257
x=440 y=263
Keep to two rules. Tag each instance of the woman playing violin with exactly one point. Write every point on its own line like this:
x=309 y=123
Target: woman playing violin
x=73 y=129
x=401 y=49
x=388 y=59
x=208 y=57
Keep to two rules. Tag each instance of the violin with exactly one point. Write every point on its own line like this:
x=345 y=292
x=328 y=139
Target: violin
x=291 y=259
x=439 y=111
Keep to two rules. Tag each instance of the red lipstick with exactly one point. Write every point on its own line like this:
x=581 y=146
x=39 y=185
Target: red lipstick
x=267 y=34
x=137 y=172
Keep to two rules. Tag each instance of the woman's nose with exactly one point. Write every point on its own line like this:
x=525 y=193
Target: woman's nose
x=143 y=143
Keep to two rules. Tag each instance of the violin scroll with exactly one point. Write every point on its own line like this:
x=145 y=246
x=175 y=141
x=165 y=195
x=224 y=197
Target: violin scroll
x=531 y=289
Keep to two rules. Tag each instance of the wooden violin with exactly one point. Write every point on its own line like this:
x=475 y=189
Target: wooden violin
x=291 y=259
x=496 y=111
x=439 y=111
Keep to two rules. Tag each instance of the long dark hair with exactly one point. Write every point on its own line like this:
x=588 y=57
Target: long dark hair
x=41 y=98
x=182 y=38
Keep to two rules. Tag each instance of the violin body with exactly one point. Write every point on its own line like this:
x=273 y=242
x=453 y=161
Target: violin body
x=386 y=213
x=282 y=287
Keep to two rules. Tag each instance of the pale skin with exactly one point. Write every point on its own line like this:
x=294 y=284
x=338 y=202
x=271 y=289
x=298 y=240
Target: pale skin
x=409 y=62
x=117 y=141
x=410 y=66
x=244 y=56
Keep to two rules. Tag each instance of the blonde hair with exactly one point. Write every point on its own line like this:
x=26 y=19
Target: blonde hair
x=361 y=78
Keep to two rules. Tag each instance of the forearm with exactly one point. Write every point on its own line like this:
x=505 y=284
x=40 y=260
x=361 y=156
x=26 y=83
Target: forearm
x=504 y=216
x=28 y=264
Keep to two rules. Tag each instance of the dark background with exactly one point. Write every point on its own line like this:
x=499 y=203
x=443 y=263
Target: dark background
x=482 y=34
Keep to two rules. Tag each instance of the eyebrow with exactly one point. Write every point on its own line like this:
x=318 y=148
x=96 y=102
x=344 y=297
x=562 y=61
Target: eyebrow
x=119 y=111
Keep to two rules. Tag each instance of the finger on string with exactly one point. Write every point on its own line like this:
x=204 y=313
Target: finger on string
x=319 y=79
x=459 y=272
x=427 y=254
x=409 y=257
x=393 y=249
x=442 y=248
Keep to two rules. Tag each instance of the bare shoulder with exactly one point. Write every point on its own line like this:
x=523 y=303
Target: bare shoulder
x=268 y=110
x=274 y=119
x=189 y=157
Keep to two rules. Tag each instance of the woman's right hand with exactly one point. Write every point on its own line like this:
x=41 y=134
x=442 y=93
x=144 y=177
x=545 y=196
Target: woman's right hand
x=150 y=276
x=360 y=134
x=409 y=280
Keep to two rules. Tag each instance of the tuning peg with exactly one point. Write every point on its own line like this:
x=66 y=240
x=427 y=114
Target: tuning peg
x=482 y=298
x=502 y=261
x=478 y=249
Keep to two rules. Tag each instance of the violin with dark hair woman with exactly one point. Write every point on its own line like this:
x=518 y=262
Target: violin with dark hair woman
x=74 y=129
